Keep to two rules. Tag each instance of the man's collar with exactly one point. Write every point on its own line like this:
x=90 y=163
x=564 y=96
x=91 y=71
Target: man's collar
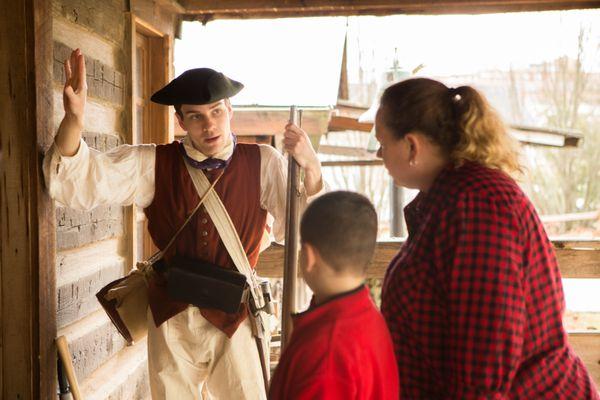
x=197 y=155
x=199 y=160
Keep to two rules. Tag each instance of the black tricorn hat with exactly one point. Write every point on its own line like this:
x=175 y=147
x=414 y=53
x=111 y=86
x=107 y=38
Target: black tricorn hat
x=197 y=86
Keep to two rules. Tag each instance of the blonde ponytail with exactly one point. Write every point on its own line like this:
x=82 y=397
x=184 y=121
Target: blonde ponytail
x=483 y=137
x=459 y=120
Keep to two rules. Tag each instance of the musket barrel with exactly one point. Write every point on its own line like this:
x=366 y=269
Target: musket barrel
x=290 y=270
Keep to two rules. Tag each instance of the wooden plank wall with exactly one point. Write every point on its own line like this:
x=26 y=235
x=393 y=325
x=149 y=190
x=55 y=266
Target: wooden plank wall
x=89 y=243
x=95 y=247
x=27 y=328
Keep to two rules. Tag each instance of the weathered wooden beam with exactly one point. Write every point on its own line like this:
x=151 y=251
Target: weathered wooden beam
x=544 y=137
x=525 y=134
x=576 y=259
x=92 y=340
x=104 y=82
x=81 y=273
x=72 y=36
x=587 y=347
x=215 y=9
x=102 y=17
x=580 y=216
x=272 y=120
x=349 y=108
x=27 y=290
x=99 y=118
x=340 y=123
x=160 y=16
x=270 y=262
x=123 y=377
x=45 y=237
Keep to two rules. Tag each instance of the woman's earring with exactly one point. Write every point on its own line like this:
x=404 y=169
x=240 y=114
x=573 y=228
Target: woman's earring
x=412 y=163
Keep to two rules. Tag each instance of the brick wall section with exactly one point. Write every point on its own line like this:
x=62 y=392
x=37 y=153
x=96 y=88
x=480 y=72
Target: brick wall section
x=104 y=82
x=78 y=228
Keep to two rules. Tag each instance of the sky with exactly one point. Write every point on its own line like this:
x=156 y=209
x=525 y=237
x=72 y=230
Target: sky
x=458 y=44
x=297 y=60
x=280 y=62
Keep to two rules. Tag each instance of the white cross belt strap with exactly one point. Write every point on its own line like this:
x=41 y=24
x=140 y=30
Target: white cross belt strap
x=220 y=217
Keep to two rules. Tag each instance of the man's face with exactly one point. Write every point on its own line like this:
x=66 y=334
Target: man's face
x=207 y=125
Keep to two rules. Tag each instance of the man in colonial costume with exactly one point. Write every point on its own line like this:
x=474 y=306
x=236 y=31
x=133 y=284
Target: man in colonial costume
x=192 y=351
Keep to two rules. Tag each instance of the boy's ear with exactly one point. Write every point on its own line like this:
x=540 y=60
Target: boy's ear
x=310 y=254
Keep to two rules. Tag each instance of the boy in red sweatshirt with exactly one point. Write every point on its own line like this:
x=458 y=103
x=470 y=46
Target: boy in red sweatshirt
x=340 y=347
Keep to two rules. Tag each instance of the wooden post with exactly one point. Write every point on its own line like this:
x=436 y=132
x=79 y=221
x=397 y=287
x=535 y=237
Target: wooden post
x=27 y=233
x=290 y=270
x=397 y=211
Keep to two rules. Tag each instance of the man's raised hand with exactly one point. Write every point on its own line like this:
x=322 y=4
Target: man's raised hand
x=75 y=90
x=74 y=94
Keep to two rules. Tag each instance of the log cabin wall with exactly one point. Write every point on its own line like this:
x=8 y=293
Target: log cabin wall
x=95 y=247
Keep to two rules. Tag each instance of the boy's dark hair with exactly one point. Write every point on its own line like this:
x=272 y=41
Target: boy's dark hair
x=342 y=226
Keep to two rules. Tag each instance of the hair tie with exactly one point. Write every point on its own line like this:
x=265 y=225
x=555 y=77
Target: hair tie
x=454 y=94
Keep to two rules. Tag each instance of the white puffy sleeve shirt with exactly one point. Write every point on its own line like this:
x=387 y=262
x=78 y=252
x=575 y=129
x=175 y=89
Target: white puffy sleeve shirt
x=125 y=175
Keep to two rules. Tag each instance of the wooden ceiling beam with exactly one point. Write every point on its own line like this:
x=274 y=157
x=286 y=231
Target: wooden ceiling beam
x=246 y=9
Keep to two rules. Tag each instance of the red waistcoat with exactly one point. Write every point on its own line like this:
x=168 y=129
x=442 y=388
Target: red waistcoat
x=175 y=197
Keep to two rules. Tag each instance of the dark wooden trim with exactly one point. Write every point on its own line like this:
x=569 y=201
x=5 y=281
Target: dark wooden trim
x=159 y=77
x=157 y=67
x=576 y=259
x=246 y=9
x=46 y=217
x=27 y=256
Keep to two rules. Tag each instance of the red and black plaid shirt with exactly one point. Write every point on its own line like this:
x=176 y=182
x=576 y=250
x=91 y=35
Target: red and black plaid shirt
x=474 y=298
